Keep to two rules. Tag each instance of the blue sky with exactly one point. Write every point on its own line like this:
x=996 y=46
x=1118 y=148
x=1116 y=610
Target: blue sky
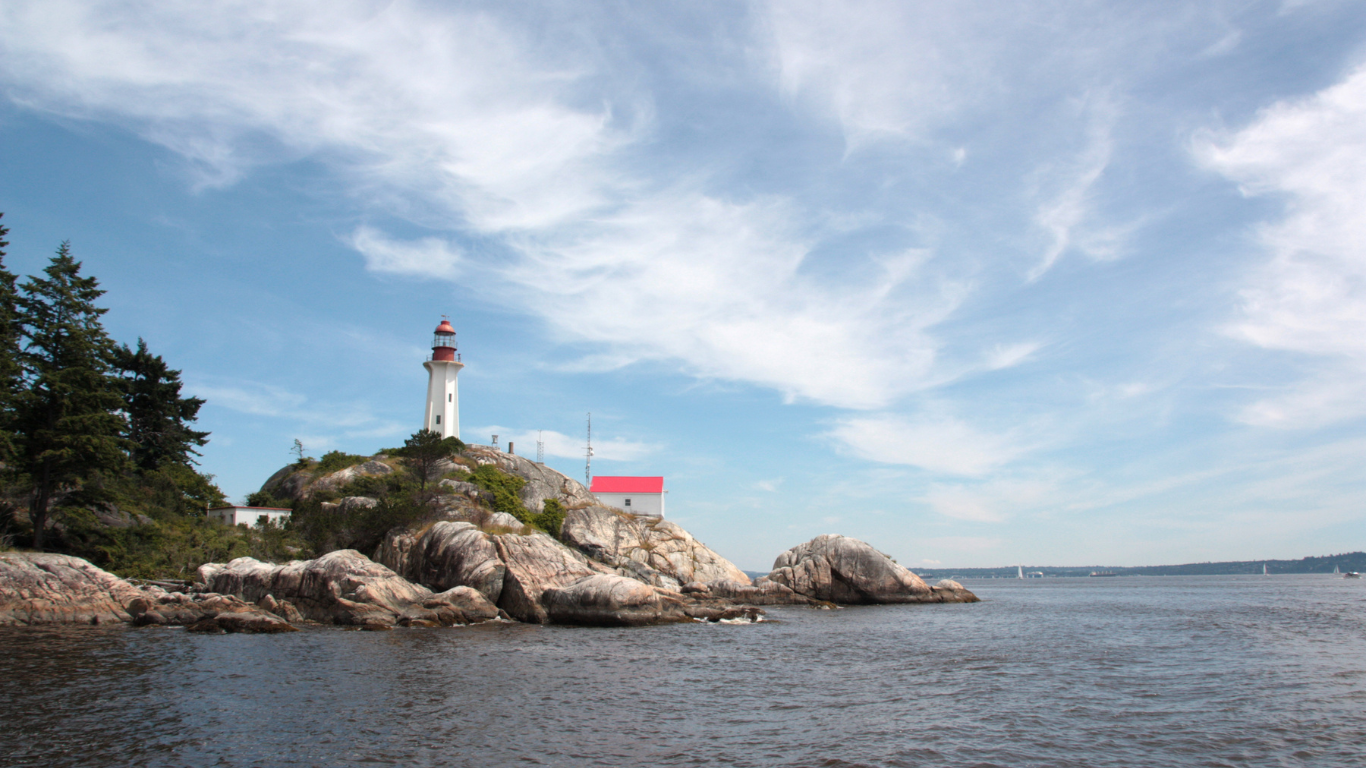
x=1055 y=283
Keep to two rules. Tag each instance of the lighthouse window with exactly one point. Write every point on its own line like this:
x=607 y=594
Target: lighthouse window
x=438 y=419
x=450 y=398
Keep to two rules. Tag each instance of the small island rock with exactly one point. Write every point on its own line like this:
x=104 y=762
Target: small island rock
x=847 y=571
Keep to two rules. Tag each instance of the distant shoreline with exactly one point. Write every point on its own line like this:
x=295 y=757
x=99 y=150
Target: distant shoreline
x=1351 y=561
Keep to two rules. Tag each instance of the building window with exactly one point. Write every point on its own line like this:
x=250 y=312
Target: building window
x=450 y=397
x=438 y=418
x=628 y=502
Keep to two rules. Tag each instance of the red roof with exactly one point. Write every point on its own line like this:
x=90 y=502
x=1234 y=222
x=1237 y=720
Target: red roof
x=627 y=485
x=445 y=328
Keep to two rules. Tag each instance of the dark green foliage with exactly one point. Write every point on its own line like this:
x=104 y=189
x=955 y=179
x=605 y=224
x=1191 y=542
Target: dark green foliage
x=504 y=488
x=158 y=417
x=67 y=421
x=335 y=461
x=11 y=378
x=425 y=449
x=355 y=527
x=170 y=548
x=551 y=518
x=264 y=499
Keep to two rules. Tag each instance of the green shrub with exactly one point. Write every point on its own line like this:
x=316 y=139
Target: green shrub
x=551 y=518
x=504 y=488
x=265 y=499
x=335 y=461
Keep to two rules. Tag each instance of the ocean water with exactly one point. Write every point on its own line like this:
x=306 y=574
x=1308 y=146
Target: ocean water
x=1202 y=671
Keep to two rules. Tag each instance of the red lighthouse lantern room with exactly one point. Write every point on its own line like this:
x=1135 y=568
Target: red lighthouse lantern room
x=443 y=345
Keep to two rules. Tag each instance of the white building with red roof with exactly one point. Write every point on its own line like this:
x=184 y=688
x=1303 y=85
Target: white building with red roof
x=637 y=495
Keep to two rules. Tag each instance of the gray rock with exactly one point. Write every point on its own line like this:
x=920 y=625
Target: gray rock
x=534 y=564
x=44 y=588
x=340 y=478
x=847 y=571
x=612 y=601
x=504 y=520
x=346 y=587
x=761 y=592
x=542 y=482
x=650 y=549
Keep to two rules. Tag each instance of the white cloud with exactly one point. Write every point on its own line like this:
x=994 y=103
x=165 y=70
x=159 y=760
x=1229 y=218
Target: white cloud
x=462 y=122
x=936 y=443
x=560 y=445
x=328 y=423
x=428 y=257
x=1310 y=297
x=1065 y=216
x=1010 y=355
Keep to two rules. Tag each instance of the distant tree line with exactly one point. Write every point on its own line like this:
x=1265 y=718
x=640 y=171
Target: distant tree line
x=86 y=421
x=1348 y=561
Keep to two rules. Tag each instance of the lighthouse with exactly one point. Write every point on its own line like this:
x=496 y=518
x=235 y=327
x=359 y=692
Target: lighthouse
x=443 y=399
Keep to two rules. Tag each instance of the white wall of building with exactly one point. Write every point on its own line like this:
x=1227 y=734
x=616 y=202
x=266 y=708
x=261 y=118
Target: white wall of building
x=248 y=515
x=651 y=504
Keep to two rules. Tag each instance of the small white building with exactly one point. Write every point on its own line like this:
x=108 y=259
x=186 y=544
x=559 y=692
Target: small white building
x=236 y=515
x=637 y=495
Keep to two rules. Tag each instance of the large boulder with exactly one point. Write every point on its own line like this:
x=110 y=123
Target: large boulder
x=847 y=571
x=650 y=549
x=346 y=587
x=608 y=600
x=44 y=588
x=536 y=579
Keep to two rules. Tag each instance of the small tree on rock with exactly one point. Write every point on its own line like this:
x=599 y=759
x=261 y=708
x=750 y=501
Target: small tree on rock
x=425 y=450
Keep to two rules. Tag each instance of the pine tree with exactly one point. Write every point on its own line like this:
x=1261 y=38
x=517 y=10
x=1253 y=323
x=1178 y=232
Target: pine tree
x=67 y=420
x=11 y=381
x=158 y=417
x=426 y=449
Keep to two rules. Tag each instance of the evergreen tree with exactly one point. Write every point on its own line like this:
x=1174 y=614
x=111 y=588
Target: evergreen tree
x=11 y=381
x=158 y=417
x=67 y=419
x=425 y=449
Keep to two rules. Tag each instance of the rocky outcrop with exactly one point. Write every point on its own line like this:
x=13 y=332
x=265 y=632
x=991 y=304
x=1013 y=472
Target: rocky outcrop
x=346 y=587
x=608 y=600
x=650 y=549
x=211 y=613
x=847 y=571
x=761 y=592
x=43 y=588
x=542 y=482
x=536 y=579
x=293 y=482
x=339 y=479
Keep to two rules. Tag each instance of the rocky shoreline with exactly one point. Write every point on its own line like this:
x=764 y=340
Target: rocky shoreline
x=607 y=568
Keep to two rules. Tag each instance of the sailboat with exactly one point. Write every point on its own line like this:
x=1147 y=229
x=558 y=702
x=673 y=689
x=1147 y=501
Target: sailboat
x=1335 y=570
x=1263 y=569
x=1020 y=570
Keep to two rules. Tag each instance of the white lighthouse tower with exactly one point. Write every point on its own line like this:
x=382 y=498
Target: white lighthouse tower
x=443 y=399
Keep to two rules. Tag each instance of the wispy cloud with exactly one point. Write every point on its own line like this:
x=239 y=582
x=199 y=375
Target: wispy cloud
x=428 y=257
x=937 y=443
x=1310 y=296
x=560 y=445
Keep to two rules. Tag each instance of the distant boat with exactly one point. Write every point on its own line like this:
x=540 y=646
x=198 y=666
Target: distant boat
x=1263 y=569
x=1020 y=568
x=1335 y=569
x=1351 y=575
x=1099 y=574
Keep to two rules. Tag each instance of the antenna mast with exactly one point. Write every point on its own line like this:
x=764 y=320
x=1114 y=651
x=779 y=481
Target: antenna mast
x=588 y=458
x=540 y=446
